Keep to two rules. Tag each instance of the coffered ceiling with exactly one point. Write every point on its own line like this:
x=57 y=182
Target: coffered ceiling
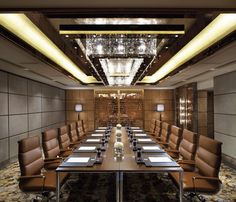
x=117 y=46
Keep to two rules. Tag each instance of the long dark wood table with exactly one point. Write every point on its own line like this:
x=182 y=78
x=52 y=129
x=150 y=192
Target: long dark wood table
x=127 y=164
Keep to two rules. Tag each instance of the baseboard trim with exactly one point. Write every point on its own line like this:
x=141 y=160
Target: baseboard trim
x=228 y=160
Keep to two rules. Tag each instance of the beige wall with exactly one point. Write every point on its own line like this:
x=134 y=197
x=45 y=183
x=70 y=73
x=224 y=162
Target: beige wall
x=225 y=113
x=84 y=97
x=151 y=98
x=27 y=108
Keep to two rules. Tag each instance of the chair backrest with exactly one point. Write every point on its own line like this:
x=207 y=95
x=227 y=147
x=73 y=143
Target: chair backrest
x=175 y=137
x=188 y=145
x=153 y=126
x=50 y=143
x=158 y=128
x=165 y=131
x=80 y=129
x=30 y=156
x=85 y=127
x=63 y=137
x=208 y=156
x=73 y=132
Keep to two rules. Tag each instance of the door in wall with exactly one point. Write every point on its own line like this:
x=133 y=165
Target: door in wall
x=119 y=106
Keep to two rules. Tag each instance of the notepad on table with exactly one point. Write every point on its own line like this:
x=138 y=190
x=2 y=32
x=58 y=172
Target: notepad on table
x=144 y=140
x=102 y=128
x=140 y=135
x=159 y=159
x=134 y=127
x=97 y=135
x=78 y=160
x=150 y=148
x=92 y=140
x=100 y=131
x=87 y=148
x=138 y=130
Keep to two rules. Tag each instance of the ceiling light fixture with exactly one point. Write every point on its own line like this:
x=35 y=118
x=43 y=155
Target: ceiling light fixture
x=220 y=27
x=23 y=28
x=122 y=29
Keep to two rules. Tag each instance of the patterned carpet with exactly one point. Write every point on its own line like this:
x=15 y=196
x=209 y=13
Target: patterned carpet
x=101 y=187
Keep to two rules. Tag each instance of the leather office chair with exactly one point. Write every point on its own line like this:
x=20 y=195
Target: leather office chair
x=64 y=139
x=85 y=128
x=174 y=140
x=80 y=129
x=165 y=132
x=187 y=150
x=152 y=127
x=205 y=178
x=32 y=178
x=51 y=147
x=73 y=134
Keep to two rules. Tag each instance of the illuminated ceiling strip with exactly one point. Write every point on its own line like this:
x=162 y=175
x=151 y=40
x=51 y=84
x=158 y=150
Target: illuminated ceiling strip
x=23 y=28
x=223 y=25
x=68 y=32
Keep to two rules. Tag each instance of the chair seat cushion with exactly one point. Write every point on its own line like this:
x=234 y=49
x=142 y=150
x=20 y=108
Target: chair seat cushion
x=202 y=185
x=36 y=184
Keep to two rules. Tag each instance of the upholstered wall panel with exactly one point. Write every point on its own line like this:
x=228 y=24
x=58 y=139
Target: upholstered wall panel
x=26 y=108
x=84 y=97
x=225 y=112
x=151 y=98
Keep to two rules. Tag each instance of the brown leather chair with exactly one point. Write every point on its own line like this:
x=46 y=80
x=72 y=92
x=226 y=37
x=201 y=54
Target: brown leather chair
x=165 y=132
x=73 y=134
x=86 y=128
x=174 y=140
x=51 y=147
x=152 y=127
x=80 y=129
x=64 y=139
x=31 y=164
x=205 y=178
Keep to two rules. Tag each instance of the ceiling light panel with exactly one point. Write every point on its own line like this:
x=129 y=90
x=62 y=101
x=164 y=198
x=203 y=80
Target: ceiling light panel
x=220 y=27
x=120 y=71
x=23 y=28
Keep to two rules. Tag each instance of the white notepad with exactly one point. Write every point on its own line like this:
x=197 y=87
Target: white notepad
x=151 y=148
x=92 y=140
x=134 y=127
x=159 y=159
x=102 y=128
x=97 y=135
x=140 y=135
x=78 y=160
x=138 y=130
x=144 y=140
x=87 y=148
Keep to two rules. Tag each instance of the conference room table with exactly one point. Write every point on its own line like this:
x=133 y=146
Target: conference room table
x=118 y=166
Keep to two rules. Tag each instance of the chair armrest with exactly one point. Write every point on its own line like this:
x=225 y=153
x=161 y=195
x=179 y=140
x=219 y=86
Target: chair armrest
x=68 y=149
x=207 y=178
x=189 y=162
x=31 y=176
x=53 y=159
x=172 y=151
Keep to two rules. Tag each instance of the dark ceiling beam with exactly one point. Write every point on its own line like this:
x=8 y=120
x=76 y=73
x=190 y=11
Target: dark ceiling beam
x=45 y=26
x=166 y=54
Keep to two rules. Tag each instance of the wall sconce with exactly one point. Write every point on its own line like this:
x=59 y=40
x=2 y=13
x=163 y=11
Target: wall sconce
x=78 y=108
x=160 y=108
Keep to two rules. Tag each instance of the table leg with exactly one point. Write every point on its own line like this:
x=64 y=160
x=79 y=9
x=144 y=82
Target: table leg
x=121 y=186
x=117 y=187
x=180 y=186
x=58 y=186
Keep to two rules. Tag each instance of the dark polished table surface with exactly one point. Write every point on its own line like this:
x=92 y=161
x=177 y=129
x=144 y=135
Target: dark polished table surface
x=111 y=164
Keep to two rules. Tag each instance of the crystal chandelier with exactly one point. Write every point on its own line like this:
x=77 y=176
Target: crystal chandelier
x=120 y=46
